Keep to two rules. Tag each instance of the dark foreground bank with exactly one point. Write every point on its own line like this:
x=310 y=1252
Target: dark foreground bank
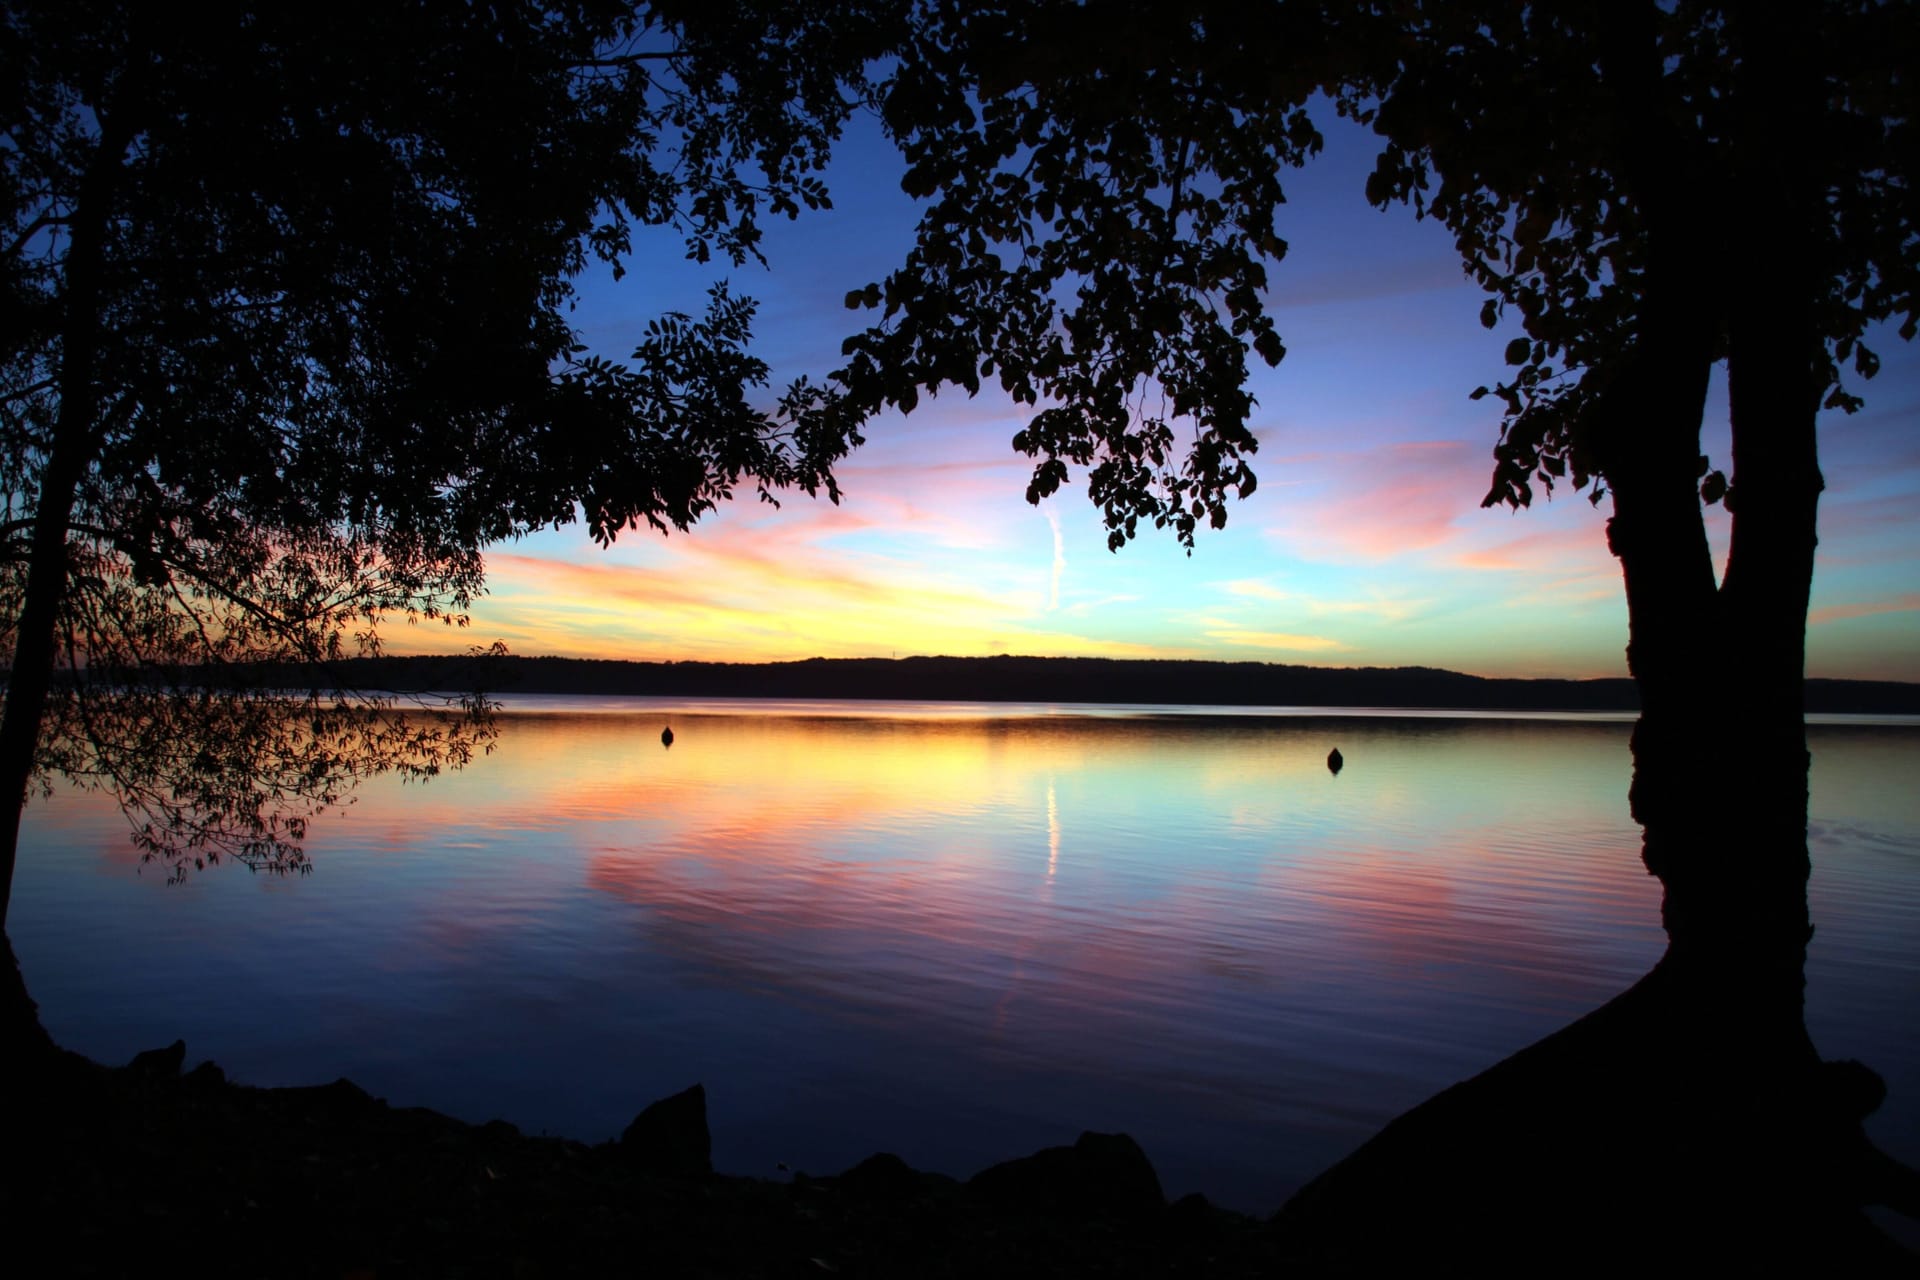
x=147 y=1169
x=1574 y=1156
x=150 y=1169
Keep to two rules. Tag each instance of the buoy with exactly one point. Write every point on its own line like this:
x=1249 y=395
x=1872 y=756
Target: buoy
x=1335 y=760
x=666 y=736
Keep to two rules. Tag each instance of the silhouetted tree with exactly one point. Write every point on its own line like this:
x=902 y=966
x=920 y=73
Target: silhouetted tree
x=1648 y=189
x=285 y=346
x=1710 y=183
x=284 y=343
x=1652 y=190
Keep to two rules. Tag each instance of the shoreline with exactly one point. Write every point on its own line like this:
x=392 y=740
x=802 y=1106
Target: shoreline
x=1009 y=679
x=151 y=1164
x=148 y=1166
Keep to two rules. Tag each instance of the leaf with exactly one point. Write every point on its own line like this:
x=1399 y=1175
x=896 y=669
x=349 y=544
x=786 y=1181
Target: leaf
x=919 y=181
x=1269 y=347
x=1517 y=351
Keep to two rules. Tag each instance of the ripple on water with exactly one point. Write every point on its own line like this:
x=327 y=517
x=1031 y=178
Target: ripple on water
x=957 y=938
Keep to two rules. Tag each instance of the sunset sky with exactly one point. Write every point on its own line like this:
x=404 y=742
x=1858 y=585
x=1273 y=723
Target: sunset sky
x=1364 y=545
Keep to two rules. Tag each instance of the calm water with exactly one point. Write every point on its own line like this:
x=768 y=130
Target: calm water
x=957 y=933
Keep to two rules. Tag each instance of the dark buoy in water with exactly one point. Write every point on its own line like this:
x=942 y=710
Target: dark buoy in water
x=1335 y=760
x=666 y=736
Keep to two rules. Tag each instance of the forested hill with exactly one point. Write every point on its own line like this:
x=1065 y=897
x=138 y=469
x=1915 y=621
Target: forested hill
x=1012 y=679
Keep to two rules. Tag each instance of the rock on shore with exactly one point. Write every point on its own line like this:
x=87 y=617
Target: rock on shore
x=146 y=1169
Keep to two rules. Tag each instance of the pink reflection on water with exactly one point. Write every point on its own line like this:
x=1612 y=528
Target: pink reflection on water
x=895 y=902
x=1187 y=929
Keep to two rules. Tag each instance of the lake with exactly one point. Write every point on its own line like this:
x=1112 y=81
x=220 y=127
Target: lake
x=956 y=932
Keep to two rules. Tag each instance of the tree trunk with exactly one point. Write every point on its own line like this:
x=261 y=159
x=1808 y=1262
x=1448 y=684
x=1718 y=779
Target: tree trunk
x=1691 y=1115
x=66 y=463
x=34 y=646
x=1736 y=903
x=27 y=686
x=1720 y=759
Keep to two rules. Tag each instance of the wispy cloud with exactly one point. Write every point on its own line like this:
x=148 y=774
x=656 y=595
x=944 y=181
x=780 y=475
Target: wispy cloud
x=1386 y=608
x=1906 y=603
x=1082 y=607
x=1365 y=542
x=1255 y=589
x=736 y=599
x=1377 y=504
x=1275 y=640
x=1577 y=547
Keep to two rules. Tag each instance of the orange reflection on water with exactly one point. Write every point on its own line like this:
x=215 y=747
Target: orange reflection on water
x=1188 y=919
x=1118 y=870
x=897 y=864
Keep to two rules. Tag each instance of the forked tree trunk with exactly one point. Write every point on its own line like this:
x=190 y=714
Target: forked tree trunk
x=1720 y=761
x=1736 y=881
x=1691 y=1114
x=1720 y=755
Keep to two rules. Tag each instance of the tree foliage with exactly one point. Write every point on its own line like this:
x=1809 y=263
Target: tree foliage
x=1523 y=129
x=1644 y=188
x=285 y=342
x=1103 y=207
x=1102 y=186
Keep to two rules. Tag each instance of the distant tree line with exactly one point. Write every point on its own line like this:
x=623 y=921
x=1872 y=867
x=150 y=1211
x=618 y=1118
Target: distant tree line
x=1031 y=679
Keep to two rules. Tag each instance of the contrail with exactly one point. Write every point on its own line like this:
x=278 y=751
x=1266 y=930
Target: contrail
x=1059 y=557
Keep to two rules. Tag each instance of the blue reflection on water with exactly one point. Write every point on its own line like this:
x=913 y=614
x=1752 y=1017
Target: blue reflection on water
x=959 y=935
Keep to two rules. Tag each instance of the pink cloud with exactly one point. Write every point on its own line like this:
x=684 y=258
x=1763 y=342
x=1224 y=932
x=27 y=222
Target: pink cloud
x=1546 y=549
x=1382 y=503
x=1241 y=637
x=1906 y=603
x=1858 y=517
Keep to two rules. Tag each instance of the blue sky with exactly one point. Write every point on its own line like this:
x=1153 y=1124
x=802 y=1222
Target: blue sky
x=1365 y=543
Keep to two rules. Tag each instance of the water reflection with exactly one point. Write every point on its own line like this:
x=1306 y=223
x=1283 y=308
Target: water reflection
x=862 y=933
x=1053 y=832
